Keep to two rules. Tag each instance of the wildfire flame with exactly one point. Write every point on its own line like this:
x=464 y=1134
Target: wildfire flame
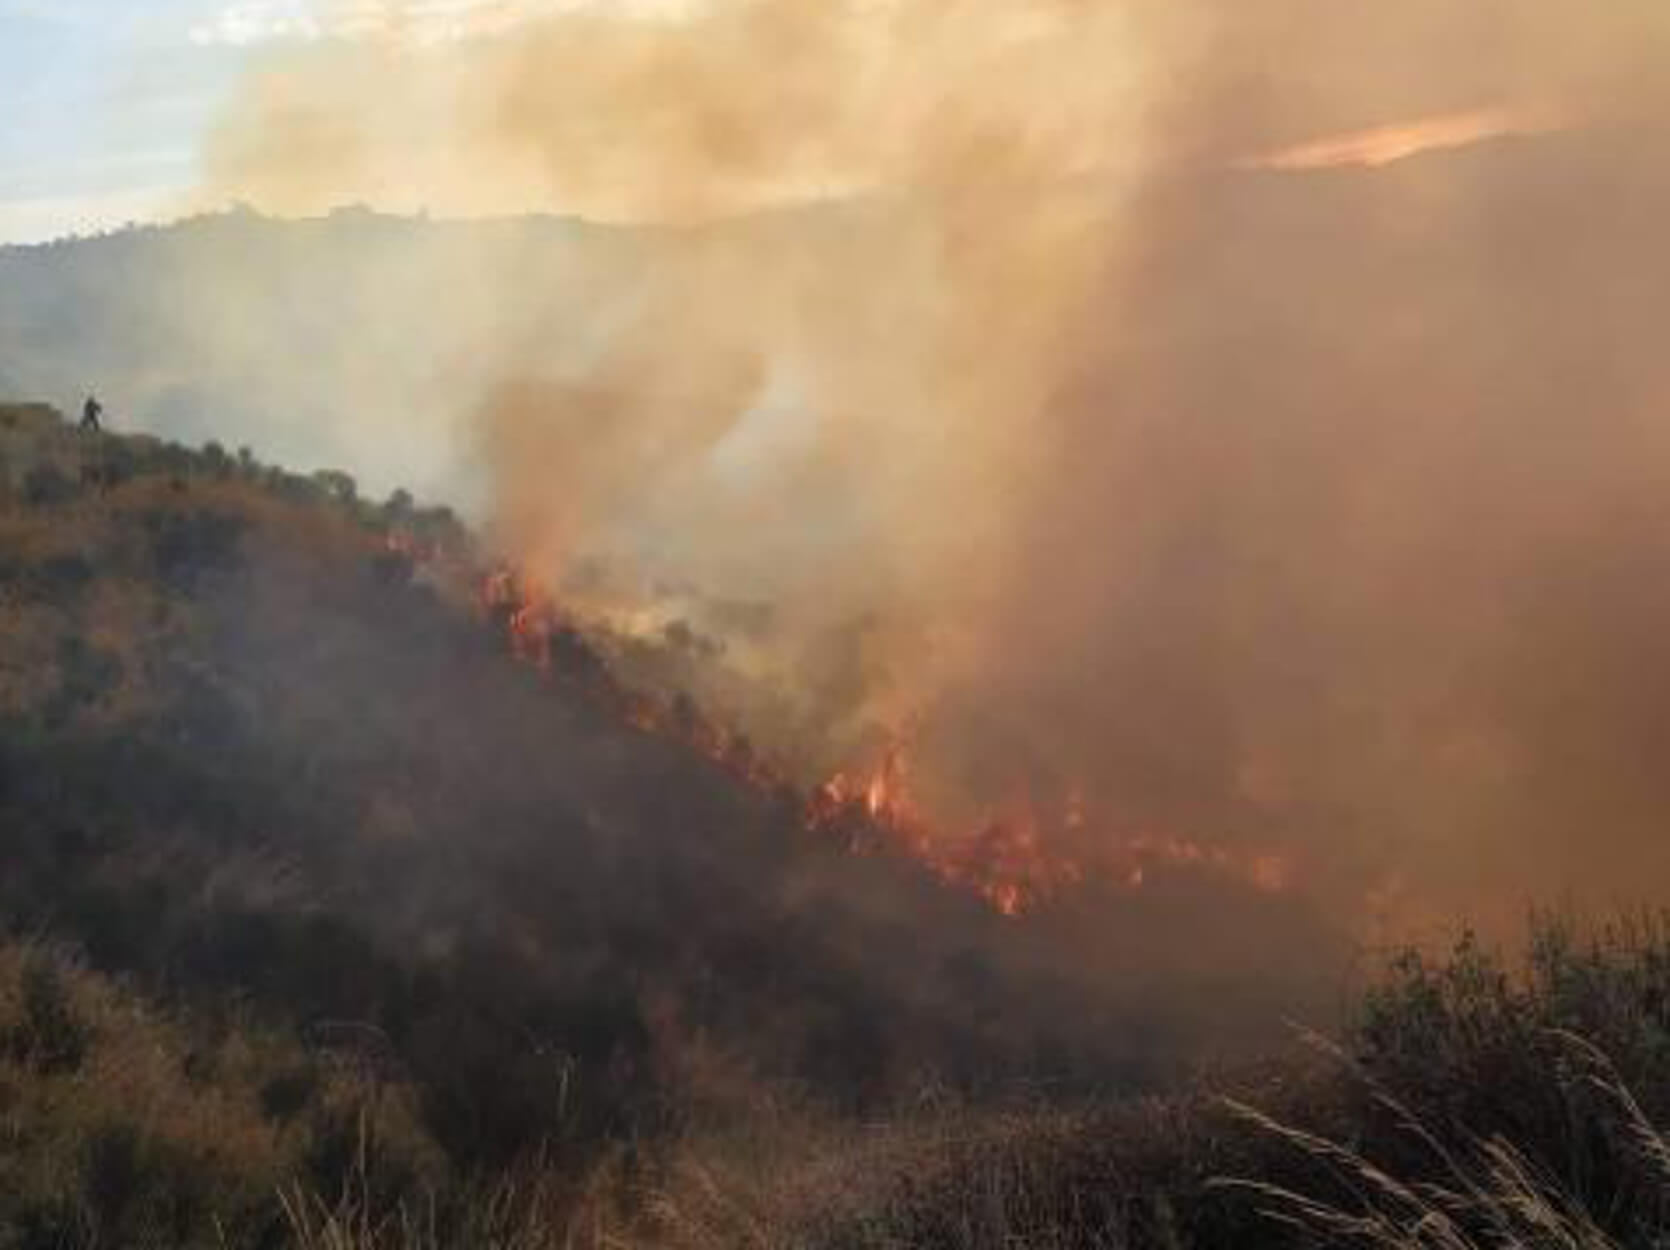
x=527 y=613
x=1016 y=858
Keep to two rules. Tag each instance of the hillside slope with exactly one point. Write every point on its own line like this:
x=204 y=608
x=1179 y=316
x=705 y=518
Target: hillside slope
x=336 y=923
x=250 y=749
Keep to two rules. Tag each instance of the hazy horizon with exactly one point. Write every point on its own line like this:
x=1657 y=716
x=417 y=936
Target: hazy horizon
x=119 y=105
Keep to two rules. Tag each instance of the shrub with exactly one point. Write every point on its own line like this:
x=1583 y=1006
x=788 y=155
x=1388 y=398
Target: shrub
x=49 y=1035
x=188 y=543
x=215 y=460
x=338 y=485
x=122 y=1127
x=46 y=485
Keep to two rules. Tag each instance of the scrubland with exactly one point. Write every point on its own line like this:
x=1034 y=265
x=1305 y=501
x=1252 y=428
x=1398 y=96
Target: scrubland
x=330 y=924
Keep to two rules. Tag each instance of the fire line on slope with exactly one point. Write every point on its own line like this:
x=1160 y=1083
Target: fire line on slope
x=1016 y=859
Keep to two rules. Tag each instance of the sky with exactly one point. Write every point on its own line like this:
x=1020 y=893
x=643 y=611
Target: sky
x=106 y=102
x=110 y=104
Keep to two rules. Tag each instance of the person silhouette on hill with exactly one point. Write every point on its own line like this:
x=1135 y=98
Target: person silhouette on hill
x=91 y=411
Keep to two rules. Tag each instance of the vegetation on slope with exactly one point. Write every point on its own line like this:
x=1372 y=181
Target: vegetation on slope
x=1473 y=1101
x=381 y=940
x=121 y=1125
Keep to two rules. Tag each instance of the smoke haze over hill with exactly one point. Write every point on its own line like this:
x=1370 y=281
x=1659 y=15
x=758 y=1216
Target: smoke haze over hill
x=1076 y=392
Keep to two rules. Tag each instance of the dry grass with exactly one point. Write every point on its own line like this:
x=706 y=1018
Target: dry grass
x=121 y=1126
x=102 y=1128
x=1486 y=1192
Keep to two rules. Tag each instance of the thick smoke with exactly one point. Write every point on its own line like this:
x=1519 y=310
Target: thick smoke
x=1252 y=417
x=873 y=227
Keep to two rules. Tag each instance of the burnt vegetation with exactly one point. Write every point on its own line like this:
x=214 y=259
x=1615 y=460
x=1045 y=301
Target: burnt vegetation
x=331 y=922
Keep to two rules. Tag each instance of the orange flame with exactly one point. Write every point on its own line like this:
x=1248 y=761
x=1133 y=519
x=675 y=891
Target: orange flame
x=529 y=615
x=1015 y=858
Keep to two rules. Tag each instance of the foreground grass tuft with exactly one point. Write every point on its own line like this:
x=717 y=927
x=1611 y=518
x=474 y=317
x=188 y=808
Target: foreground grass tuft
x=122 y=1127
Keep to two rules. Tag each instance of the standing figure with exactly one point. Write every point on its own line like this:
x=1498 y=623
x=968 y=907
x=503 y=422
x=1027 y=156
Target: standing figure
x=91 y=411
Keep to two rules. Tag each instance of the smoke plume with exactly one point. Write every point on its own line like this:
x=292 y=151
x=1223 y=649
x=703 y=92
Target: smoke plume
x=1249 y=416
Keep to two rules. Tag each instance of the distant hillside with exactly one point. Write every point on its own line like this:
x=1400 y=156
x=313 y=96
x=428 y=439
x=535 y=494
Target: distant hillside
x=366 y=341
x=373 y=343
x=360 y=340
x=294 y=335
